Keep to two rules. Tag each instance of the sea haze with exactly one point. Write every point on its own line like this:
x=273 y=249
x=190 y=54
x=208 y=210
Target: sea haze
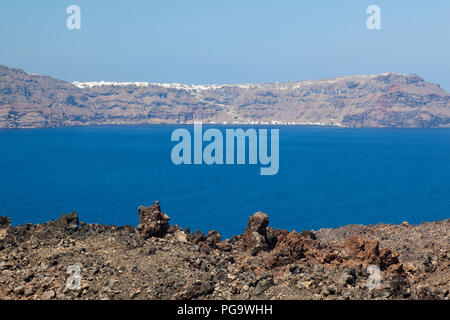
x=328 y=177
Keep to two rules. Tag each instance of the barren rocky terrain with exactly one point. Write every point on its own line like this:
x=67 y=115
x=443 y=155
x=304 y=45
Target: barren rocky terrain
x=383 y=100
x=65 y=259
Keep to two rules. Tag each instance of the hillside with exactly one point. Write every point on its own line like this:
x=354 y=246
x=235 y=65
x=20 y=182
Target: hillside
x=385 y=100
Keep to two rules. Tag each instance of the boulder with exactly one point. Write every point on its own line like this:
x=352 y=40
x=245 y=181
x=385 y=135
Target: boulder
x=4 y=222
x=5 y=227
x=366 y=251
x=69 y=221
x=224 y=246
x=255 y=235
x=152 y=221
x=290 y=247
x=213 y=238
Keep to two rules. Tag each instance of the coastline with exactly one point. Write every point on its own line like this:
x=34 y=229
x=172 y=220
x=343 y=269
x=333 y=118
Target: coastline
x=244 y=124
x=380 y=100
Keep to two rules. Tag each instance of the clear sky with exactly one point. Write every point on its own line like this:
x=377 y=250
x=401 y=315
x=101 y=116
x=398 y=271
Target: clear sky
x=228 y=41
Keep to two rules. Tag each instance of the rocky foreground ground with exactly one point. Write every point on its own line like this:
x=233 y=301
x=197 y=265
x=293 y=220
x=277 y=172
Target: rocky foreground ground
x=64 y=259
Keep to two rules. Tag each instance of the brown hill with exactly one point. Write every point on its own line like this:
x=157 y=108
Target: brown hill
x=386 y=100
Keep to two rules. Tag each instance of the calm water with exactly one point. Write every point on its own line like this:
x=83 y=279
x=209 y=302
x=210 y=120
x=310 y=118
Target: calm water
x=328 y=177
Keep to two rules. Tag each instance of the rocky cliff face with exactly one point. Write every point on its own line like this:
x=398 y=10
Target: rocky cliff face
x=386 y=100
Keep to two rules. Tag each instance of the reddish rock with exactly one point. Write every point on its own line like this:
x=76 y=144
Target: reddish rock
x=368 y=251
x=291 y=247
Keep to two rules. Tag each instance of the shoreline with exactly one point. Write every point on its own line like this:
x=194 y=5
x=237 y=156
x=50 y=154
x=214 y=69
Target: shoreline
x=99 y=125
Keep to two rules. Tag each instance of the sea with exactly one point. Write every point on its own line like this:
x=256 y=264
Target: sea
x=328 y=177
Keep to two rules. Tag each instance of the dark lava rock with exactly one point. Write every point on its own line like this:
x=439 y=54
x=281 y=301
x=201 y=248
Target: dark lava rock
x=193 y=289
x=308 y=234
x=213 y=238
x=224 y=246
x=272 y=236
x=152 y=221
x=264 y=263
x=69 y=221
x=4 y=222
x=255 y=236
x=290 y=247
x=198 y=237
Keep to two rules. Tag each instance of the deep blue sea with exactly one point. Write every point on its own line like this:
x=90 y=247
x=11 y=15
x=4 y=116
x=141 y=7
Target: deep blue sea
x=328 y=177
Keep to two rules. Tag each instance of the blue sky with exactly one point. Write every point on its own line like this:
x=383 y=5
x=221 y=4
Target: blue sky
x=209 y=41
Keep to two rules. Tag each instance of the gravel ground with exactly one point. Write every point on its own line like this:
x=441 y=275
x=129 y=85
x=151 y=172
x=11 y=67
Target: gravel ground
x=65 y=259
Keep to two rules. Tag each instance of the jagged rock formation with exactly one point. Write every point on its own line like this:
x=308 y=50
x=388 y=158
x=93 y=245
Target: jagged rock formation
x=169 y=263
x=385 y=100
x=255 y=235
x=69 y=221
x=152 y=221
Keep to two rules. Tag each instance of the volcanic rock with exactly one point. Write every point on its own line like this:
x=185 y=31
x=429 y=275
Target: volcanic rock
x=4 y=222
x=69 y=221
x=193 y=289
x=152 y=221
x=255 y=236
x=368 y=251
x=324 y=264
x=290 y=247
